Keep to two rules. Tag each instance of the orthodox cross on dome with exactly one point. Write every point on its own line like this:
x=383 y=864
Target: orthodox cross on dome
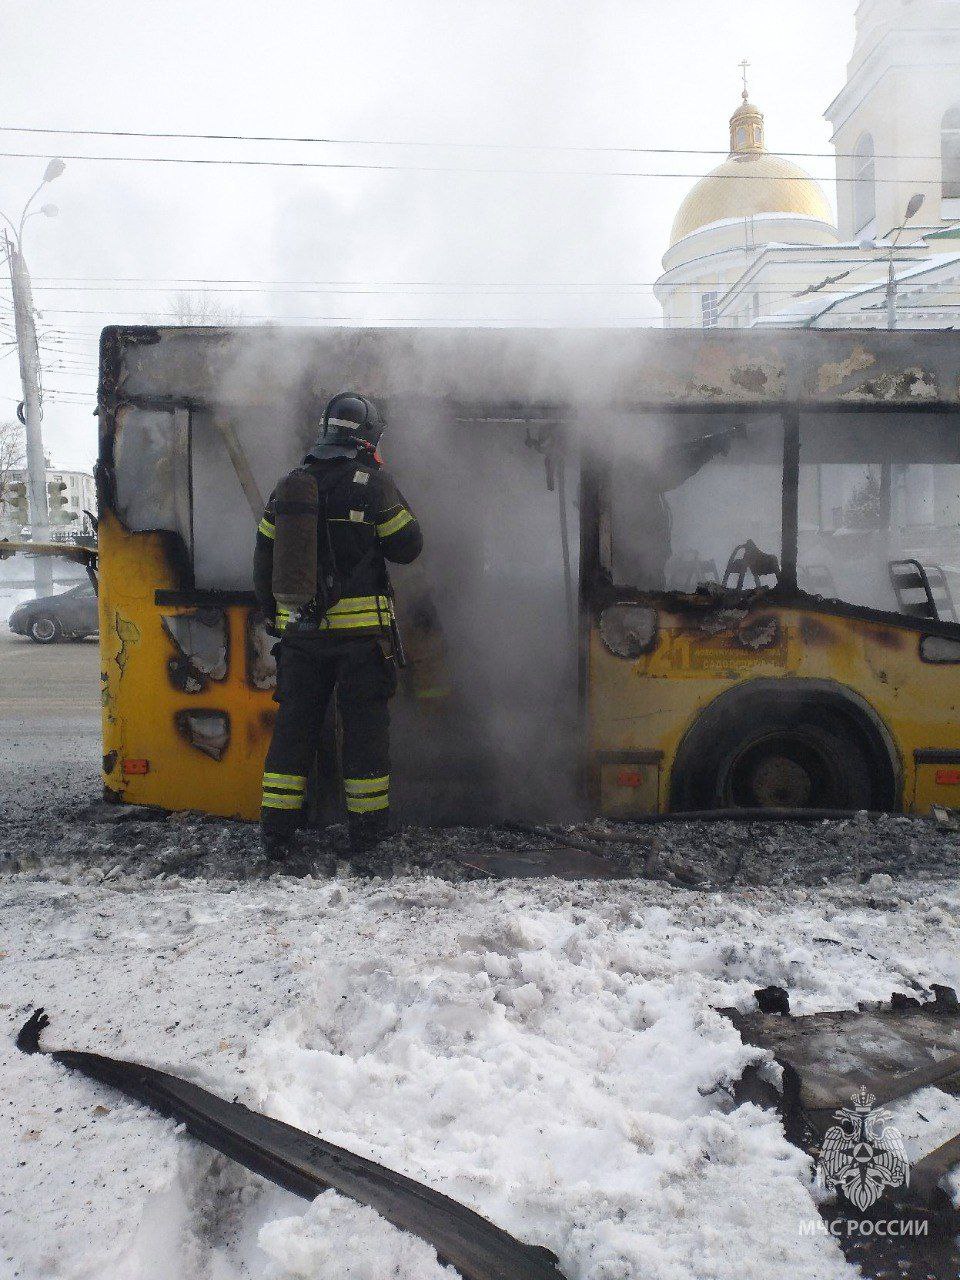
x=746 y=127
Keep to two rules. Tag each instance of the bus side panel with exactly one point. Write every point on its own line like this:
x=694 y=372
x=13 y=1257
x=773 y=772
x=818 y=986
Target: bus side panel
x=179 y=743
x=640 y=709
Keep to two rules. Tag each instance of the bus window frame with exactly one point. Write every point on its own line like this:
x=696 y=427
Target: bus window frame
x=597 y=589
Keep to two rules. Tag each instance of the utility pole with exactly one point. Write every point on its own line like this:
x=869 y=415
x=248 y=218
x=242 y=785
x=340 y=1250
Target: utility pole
x=892 y=292
x=30 y=411
x=29 y=352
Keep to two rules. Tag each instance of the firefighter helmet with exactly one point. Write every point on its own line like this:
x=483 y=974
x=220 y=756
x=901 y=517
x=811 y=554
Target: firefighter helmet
x=352 y=419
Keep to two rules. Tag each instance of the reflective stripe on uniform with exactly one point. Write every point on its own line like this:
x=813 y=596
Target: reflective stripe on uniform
x=367 y=804
x=366 y=786
x=353 y=612
x=359 y=604
x=284 y=791
x=355 y=621
x=285 y=782
x=394 y=524
x=367 y=795
x=267 y=528
x=283 y=617
x=273 y=800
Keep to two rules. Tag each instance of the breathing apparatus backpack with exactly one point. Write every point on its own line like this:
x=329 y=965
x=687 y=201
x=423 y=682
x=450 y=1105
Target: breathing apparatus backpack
x=306 y=577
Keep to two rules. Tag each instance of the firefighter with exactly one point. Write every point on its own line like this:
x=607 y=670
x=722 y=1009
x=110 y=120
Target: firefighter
x=320 y=577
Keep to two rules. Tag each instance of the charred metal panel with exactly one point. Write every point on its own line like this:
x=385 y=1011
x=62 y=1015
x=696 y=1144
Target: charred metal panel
x=202 y=642
x=560 y=864
x=841 y=1068
x=261 y=663
x=891 y=1049
x=208 y=731
x=493 y=367
x=760 y=633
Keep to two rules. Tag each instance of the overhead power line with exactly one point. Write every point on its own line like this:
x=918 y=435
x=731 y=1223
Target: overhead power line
x=565 y=148
x=233 y=162
x=419 y=289
x=165 y=319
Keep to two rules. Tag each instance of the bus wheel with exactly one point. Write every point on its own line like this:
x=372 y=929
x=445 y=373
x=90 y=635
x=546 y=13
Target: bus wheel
x=804 y=767
x=793 y=747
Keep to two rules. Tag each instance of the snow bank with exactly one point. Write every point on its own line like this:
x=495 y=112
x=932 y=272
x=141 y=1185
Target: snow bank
x=339 y=1240
x=546 y=1053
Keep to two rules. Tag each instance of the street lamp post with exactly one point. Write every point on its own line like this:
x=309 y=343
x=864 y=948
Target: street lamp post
x=28 y=349
x=913 y=208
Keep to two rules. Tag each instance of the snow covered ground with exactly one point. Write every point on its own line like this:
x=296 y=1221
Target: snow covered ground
x=545 y=1052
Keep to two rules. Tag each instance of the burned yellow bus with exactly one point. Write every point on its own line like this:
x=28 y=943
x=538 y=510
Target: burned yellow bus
x=665 y=571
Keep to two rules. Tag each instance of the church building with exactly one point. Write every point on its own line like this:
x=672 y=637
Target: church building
x=754 y=242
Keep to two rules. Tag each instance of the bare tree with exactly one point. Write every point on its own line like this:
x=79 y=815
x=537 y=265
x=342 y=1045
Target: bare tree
x=13 y=457
x=201 y=309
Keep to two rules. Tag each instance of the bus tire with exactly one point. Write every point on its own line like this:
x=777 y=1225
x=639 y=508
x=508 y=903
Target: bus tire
x=778 y=744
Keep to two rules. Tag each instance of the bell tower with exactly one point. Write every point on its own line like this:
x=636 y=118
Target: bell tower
x=893 y=121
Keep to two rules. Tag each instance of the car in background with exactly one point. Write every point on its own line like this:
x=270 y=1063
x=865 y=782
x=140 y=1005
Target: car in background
x=71 y=615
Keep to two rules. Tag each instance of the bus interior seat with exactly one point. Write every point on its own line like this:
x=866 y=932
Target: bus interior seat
x=748 y=559
x=922 y=591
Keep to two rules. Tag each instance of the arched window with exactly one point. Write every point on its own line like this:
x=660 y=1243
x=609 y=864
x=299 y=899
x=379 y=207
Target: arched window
x=950 y=153
x=864 y=184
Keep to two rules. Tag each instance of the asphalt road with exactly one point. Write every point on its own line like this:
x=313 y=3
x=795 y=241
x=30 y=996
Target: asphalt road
x=49 y=725
x=40 y=681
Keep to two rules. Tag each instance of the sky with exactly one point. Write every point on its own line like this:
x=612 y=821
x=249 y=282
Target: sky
x=480 y=216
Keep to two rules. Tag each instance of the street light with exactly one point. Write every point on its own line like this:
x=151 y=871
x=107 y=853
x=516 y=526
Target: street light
x=913 y=208
x=53 y=171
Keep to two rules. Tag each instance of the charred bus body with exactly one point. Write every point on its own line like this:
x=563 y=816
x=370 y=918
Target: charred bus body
x=758 y=611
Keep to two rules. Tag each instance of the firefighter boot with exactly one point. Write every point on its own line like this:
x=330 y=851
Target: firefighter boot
x=283 y=856
x=367 y=833
x=282 y=853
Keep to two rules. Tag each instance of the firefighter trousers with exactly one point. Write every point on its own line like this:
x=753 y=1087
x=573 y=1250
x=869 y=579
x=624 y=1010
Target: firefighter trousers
x=309 y=668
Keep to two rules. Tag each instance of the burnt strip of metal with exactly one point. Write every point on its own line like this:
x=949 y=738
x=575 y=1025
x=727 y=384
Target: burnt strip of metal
x=791 y=500
x=629 y=757
x=590 y=583
x=734 y=405
x=936 y=755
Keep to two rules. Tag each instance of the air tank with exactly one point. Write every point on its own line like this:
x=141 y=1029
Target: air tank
x=295 y=548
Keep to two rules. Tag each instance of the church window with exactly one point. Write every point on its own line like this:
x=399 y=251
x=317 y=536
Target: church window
x=950 y=151
x=864 y=184
x=710 y=309
x=742 y=136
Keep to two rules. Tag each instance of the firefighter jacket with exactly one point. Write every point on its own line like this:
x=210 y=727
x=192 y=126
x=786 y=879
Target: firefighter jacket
x=364 y=521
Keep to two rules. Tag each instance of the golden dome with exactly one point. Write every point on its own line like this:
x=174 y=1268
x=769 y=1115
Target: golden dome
x=750 y=183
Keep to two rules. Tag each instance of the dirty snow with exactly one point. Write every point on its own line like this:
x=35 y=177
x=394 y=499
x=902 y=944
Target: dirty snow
x=547 y=1053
